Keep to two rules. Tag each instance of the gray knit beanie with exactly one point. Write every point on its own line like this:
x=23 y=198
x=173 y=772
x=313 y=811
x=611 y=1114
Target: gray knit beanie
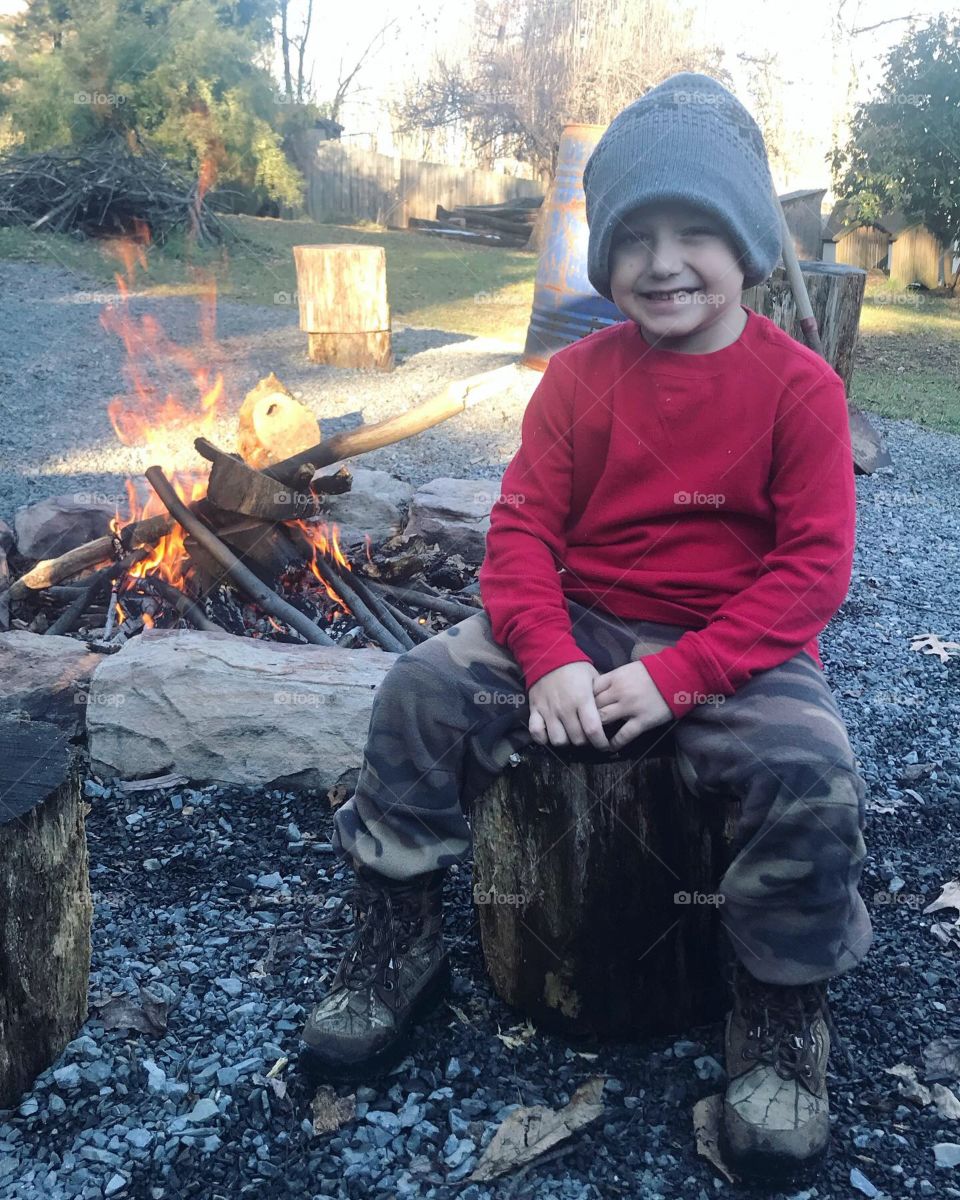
x=688 y=139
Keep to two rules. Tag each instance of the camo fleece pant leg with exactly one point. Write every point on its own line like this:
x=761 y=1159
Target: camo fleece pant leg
x=451 y=711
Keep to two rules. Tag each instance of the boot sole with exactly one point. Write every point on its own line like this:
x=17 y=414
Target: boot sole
x=765 y=1168
x=320 y=1068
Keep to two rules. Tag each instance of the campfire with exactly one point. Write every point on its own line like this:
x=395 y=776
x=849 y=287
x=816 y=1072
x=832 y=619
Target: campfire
x=247 y=547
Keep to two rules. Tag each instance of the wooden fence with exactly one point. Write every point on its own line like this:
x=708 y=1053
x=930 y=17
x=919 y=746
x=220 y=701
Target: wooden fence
x=342 y=179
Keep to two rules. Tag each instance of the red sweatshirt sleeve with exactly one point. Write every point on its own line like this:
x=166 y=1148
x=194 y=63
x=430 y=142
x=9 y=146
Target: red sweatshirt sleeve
x=803 y=580
x=519 y=583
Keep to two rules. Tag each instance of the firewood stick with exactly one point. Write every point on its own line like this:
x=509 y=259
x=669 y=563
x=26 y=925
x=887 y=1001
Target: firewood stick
x=414 y=628
x=452 y=400
x=184 y=605
x=70 y=617
x=377 y=604
x=449 y=608
x=242 y=576
x=372 y=625
x=55 y=570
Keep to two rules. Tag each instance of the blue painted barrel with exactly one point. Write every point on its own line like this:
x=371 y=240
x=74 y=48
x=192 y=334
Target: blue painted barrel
x=565 y=305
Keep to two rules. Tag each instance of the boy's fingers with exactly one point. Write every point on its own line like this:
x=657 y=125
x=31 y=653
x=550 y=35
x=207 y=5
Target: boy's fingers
x=537 y=727
x=593 y=728
x=627 y=732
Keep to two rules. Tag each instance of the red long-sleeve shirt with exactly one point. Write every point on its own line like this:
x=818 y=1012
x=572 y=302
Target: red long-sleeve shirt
x=714 y=491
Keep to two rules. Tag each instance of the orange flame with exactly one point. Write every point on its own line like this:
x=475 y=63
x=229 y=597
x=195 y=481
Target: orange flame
x=322 y=542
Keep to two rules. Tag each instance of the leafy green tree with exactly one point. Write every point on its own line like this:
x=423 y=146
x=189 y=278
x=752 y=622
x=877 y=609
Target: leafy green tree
x=904 y=146
x=190 y=76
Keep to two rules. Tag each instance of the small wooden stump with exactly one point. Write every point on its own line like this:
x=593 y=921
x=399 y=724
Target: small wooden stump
x=578 y=855
x=45 y=904
x=342 y=293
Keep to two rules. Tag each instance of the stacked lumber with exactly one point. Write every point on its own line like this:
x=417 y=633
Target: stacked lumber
x=506 y=224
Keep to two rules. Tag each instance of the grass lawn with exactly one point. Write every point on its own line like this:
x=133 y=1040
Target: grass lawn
x=907 y=364
x=432 y=282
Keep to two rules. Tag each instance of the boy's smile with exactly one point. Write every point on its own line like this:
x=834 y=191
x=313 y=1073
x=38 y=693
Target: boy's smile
x=675 y=273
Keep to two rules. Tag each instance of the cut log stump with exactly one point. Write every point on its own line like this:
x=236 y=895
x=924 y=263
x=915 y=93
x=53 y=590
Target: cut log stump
x=581 y=862
x=342 y=295
x=45 y=904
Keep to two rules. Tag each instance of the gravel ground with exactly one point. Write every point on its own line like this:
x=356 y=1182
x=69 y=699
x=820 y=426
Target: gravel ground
x=59 y=369
x=220 y=904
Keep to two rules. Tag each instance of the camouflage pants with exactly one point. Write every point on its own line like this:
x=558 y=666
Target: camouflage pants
x=451 y=711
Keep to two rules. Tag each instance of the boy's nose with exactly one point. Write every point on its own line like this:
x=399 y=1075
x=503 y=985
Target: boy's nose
x=665 y=259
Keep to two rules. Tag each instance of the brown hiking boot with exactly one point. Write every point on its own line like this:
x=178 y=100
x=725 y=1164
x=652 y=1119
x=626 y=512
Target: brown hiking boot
x=393 y=973
x=775 y=1124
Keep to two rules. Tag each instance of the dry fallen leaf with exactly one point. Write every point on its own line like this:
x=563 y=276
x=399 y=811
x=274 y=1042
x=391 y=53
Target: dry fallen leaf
x=941 y=1059
x=930 y=643
x=948 y=898
x=909 y=1088
x=524 y=1033
x=330 y=1111
x=147 y=1015
x=707 y=1114
x=529 y=1132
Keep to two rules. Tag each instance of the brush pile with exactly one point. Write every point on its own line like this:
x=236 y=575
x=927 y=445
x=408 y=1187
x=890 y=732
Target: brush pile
x=113 y=186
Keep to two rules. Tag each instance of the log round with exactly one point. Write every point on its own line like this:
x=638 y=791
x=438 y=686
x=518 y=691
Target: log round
x=342 y=294
x=45 y=903
x=579 y=856
x=836 y=297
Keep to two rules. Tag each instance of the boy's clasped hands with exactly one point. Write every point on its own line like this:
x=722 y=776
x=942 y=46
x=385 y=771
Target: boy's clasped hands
x=574 y=702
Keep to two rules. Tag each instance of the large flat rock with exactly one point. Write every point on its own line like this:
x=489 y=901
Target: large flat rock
x=44 y=678
x=217 y=708
x=454 y=513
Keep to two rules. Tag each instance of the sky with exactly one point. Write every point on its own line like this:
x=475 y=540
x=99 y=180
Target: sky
x=811 y=90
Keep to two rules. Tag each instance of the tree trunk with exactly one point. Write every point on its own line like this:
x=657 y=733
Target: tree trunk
x=342 y=292
x=45 y=904
x=579 y=857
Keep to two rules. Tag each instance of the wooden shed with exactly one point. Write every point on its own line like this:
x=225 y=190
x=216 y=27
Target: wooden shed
x=847 y=241
x=802 y=211
x=916 y=254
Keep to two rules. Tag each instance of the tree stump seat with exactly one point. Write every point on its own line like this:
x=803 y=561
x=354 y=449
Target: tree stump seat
x=582 y=859
x=45 y=903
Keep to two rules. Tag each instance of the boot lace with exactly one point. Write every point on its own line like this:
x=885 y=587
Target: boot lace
x=387 y=920
x=778 y=1024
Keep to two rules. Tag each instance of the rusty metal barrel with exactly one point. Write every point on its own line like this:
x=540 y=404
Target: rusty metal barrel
x=566 y=307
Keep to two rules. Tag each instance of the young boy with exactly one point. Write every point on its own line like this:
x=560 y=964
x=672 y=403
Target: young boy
x=673 y=533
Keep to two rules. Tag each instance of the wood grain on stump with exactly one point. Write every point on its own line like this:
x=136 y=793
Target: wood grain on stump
x=45 y=903
x=836 y=297
x=578 y=857
x=342 y=294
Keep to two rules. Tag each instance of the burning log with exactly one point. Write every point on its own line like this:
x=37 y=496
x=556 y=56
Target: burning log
x=94 y=585
x=238 y=488
x=186 y=607
x=454 y=399
x=273 y=424
x=374 y=624
x=55 y=570
x=414 y=628
x=242 y=576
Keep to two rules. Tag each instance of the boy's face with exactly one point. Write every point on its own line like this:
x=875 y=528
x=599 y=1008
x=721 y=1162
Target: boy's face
x=680 y=250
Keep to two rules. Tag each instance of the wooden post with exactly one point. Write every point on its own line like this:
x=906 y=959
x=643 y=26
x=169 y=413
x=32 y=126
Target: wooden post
x=578 y=859
x=342 y=293
x=45 y=904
